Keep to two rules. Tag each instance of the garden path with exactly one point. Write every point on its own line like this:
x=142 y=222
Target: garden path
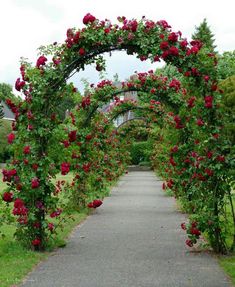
x=133 y=240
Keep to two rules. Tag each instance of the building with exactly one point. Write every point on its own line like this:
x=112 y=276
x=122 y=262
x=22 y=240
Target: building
x=130 y=95
x=7 y=113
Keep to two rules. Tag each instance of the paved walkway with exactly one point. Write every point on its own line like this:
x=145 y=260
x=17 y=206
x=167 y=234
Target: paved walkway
x=133 y=240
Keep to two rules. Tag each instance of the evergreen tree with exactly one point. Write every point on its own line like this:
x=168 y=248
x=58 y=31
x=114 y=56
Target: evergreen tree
x=204 y=34
x=226 y=65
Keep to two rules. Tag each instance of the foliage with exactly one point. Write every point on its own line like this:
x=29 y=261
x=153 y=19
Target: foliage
x=228 y=105
x=228 y=264
x=140 y=152
x=4 y=131
x=226 y=65
x=6 y=92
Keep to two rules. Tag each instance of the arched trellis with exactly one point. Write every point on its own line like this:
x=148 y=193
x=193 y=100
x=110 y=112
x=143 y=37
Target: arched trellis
x=131 y=120
x=148 y=86
x=45 y=85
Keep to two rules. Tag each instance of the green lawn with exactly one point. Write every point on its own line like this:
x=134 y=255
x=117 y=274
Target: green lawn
x=228 y=264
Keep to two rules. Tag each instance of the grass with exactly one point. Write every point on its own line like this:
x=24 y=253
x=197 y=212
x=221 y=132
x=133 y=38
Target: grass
x=228 y=264
x=15 y=261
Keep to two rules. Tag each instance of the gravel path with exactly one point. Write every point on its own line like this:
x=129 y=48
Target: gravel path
x=133 y=240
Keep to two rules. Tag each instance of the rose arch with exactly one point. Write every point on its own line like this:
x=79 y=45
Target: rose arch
x=194 y=113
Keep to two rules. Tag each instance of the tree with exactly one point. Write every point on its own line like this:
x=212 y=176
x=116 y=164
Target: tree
x=228 y=105
x=226 y=65
x=6 y=92
x=204 y=34
x=4 y=131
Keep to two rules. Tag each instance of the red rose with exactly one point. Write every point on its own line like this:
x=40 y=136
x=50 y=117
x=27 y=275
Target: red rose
x=56 y=213
x=86 y=101
x=200 y=122
x=156 y=58
x=88 y=18
x=191 y=102
x=7 y=196
x=195 y=231
x=35 y=166
x=173 y=37
x=88 y=137
x=56 y=61
x=36 y=242
x=209 y=172
x=164 y=24
x=10 y=138
x=90 y=205
x=172 y=162
x=175 y=84
x=51 y=226
x=41 y=61
x=81 y=52
x=170 y=183
x=65 y=143
x=18 y=203
x=19 y=84
x=86 y=167
x=209 y=154
x=173 y=51
x=183 y=44
x=183 y=226
x=72 y=136
x=220 y=158
x=19 y=208
x=27 y=149
x=97 y=203
x=8 y=174
x=189 y=242
x=164 y=45
x=208 y=102
x=35 y=182
x=134 y=25
x=65 y=167
x=175 y=148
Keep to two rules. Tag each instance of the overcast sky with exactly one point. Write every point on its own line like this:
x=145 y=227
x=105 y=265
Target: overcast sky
x=27 y=24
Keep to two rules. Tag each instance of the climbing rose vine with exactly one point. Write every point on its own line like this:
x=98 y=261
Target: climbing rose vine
x=190 y=110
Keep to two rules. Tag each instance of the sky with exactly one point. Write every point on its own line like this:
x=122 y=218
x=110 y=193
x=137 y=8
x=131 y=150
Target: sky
x=25 y=25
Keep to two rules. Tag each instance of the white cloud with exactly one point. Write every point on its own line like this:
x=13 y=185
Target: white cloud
x=27 y=24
